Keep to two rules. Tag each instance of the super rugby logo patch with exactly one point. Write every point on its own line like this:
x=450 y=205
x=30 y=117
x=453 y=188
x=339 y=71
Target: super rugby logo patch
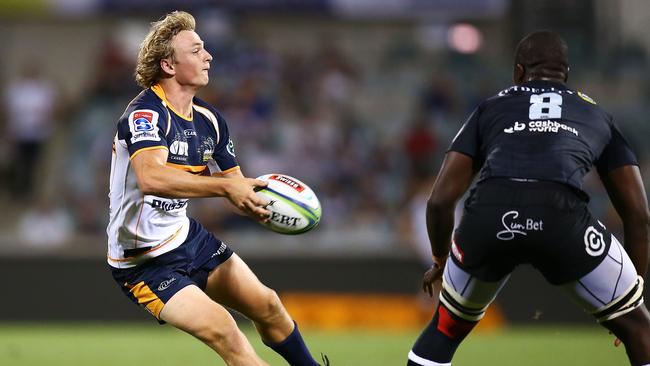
x=594 y=242
x=143 y=124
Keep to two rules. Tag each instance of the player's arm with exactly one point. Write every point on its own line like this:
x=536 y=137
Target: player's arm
x=233 y=173
x=627 y=193
x=156 y=178
x=454 y=178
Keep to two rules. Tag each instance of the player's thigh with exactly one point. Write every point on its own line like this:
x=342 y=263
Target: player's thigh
x=192 y=311
x=235 y=285
x=466 y=295
x=610 y=290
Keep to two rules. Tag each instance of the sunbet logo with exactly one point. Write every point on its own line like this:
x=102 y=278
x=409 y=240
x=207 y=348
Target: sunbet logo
x=513 y=227
x=284 y=219
x=290 y=182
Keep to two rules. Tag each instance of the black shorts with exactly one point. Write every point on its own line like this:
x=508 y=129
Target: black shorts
x=506 y=223
x=154 y=282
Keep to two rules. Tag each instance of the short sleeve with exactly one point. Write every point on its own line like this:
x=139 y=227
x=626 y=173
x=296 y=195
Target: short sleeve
x=224 y=153
x=617 y=153
x=143 y=129
x=467 y=139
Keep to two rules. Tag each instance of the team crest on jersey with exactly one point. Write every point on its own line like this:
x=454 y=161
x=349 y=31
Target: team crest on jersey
x=143 y=124
x=207 y=149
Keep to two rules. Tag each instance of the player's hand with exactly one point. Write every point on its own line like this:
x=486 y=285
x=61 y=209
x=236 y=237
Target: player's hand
x=241 y=193
x=432 y=281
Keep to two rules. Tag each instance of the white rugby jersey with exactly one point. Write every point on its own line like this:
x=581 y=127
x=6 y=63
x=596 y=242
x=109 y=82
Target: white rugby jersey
x=145 y=226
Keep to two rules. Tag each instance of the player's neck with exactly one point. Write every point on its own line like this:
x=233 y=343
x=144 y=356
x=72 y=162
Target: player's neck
x=544 y=78
x=178 y=97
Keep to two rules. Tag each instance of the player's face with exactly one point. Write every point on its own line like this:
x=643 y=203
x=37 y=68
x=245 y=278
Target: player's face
x=191 y=60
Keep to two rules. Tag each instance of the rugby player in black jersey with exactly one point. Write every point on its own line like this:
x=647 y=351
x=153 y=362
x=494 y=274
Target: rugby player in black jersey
x=531 y=146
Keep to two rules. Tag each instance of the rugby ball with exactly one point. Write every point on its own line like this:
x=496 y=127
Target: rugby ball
x=294 y=207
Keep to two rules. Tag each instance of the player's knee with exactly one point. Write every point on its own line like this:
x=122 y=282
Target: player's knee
x=223 y=339
x=456 y=318
x=271 y=307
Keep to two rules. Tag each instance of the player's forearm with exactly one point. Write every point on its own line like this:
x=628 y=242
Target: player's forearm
x=440 y=223
x=168 y=182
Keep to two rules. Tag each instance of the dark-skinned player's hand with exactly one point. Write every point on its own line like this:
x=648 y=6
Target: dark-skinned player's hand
x=432 y=280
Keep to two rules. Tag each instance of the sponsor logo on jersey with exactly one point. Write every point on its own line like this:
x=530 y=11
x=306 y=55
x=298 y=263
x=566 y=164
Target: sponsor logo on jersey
x=143 y=124
x=168 y=205
x=221 y=250
x=143 y=121
x=165 y=284
x=231 y=147
x=290 y=182
x=594 y=242
x=189 y=133
x=546 y=126
x=179 y=150
x=512 y=227
x=516 y=128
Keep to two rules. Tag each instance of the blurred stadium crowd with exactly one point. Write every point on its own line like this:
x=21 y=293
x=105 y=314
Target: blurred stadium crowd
x=361 y=110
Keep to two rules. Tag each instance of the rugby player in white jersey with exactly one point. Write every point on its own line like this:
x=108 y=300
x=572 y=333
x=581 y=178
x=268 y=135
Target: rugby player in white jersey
x=171 y=146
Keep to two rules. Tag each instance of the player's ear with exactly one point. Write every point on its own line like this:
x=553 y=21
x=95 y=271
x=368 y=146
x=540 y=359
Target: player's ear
x=167 y=65
x=518 y=74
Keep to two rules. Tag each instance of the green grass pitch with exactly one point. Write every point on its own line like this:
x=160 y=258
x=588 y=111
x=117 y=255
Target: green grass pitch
x=149 y=344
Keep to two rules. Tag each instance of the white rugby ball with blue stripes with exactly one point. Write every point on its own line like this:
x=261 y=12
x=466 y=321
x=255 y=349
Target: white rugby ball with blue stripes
x=294 y=207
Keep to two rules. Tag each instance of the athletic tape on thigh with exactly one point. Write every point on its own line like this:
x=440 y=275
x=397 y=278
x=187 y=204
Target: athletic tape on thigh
x=632 y=298
x=461 y=307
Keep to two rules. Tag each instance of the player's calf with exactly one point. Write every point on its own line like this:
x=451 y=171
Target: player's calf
x=464 y=299
x=440 y=339
x=633 y=329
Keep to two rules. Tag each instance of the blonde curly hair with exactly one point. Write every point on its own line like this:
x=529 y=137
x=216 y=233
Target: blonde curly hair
x=157 y=45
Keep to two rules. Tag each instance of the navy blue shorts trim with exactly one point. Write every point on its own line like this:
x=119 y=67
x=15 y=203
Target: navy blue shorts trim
x=154 y=282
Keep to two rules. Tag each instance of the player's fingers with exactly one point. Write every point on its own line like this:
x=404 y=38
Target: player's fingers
x=259 y=201
x=617 y=342
x=258 y=183
x=257 y=210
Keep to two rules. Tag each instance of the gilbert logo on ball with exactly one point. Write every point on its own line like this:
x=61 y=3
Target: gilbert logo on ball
x=294 y=207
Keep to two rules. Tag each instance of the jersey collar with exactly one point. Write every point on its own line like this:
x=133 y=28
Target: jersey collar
x=160 y=92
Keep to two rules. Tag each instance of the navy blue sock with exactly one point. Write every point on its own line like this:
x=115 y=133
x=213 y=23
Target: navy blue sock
x=293 y=349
